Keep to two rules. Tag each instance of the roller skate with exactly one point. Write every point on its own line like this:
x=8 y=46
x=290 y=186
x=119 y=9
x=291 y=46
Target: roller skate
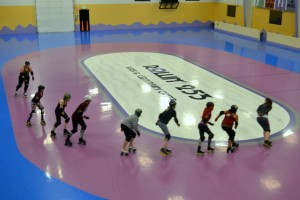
x=267 y=143
x=169 y=151
x=16 y=94
x=124 y=152
x=43 y=122
x=164 y=152
x=200 y=153
x=235 y=146
x=229 y=150
x=131 y=149
x=66 y=132
x=25 y=95
x=210 y=150
x=68 y=143
x=53 y=134
x=28 y=124
x=82 y=141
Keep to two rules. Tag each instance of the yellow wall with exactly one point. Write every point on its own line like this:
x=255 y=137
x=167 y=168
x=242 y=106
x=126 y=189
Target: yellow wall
x=220 y=14
x=260 y=20
x=12 y=16
x=147 y=14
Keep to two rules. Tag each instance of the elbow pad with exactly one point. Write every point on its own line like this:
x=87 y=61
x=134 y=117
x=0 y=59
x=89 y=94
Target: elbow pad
x=236 y=123
x=221 y=113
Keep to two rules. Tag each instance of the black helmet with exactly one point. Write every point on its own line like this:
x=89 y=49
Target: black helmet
x=41 y=87
x=27 y=63
x=208 y=104
x=138 y=112
x=234 y=108
x=172 y=102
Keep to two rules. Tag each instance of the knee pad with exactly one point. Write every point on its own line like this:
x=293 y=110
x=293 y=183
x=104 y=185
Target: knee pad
x=211 y=136
x=133 y=134
x=67 y=120
x=202 y=138
x=57 y=124
x=128 y=139
x=73 y=131
x=168 y=137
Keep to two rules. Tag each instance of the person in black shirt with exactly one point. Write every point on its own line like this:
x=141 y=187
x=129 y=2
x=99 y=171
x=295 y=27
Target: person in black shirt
x=24 y=78
x=163 y=120
x=262 y=119
x=60 y=112
x=35 y=102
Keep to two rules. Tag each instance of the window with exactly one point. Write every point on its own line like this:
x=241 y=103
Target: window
x=231 y=10
x=275 y=17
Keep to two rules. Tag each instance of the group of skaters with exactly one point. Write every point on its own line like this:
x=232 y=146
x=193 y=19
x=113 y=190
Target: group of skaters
x=130 y=124
x=230 y=120
x=77 y=116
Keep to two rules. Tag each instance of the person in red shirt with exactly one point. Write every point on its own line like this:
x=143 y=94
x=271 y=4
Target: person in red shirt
x=230 y=119
x=78 y=118
x=203 y=128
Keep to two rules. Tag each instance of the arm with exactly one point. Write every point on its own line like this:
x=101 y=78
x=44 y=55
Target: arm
x=236 y=123
x=31 y=72
x=135 y=125
x=61 y=106
x=220 y=114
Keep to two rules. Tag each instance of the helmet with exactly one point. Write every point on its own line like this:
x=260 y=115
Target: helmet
x=208 y=104
x=138 y=112
x=234 y=108
x=88 y=97
x=41 y=87
x=67 y=96
x=172 y=102
x=27 y=63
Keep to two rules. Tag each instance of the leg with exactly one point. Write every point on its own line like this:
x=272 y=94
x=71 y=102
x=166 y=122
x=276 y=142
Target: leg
x=131 y=148
x=83 y=128
x=57 y=123
x=210 y=137
x=20 y=82
x=33 y=108
x=41 y=107
x=127 y=133
x=26 y=82
x=74 y=130
x=67 y=119
x=201 y=140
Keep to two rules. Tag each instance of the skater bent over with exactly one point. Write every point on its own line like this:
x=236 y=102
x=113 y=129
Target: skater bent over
x=230 y=118
x=35 y=102
x=78 y=118
x=203 y=128
x=24 y=77
x=130 y=128
x=60 y=112
x=163 y=120
x=263 y=120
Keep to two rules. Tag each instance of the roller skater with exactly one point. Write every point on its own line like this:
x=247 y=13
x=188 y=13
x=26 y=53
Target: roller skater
x=78 y=118
x=60 y=112
x=203 y=128
x=262 y=119
x=35 y=102
x=24 y=78
x=230 y=118
x=130 y=128
x=163 y=120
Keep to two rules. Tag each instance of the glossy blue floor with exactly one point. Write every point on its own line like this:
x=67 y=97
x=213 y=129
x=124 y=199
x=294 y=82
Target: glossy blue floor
x=22 y=179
